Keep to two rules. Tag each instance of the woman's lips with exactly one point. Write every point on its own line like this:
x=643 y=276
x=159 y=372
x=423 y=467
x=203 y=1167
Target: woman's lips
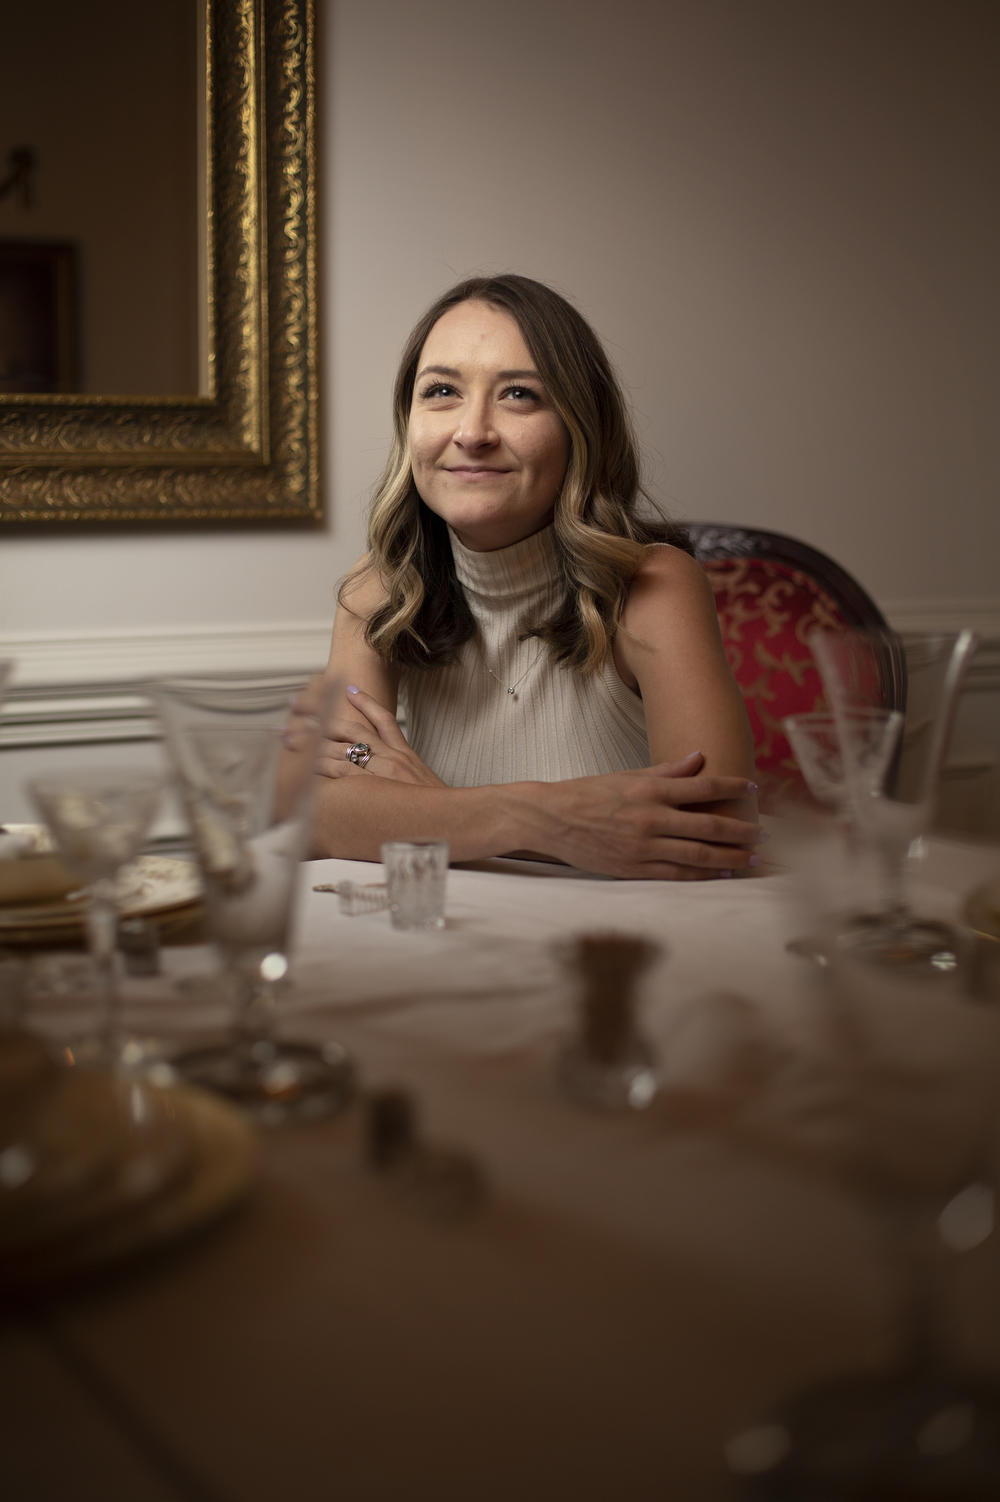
x=475 y=471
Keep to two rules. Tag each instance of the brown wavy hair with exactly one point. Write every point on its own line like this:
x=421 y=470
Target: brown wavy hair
x=603 y=518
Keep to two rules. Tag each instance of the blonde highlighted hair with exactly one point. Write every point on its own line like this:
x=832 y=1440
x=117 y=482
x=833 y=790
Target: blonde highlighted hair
x=598 y=524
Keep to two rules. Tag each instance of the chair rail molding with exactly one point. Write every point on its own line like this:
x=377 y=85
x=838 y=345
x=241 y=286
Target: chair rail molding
x=88 y=687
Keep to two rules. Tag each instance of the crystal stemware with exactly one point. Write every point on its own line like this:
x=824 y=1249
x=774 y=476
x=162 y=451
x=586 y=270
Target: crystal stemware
x=919 y=1071
x=893 y=817
x=99 y=819
x=248 y=803
x=816 y=741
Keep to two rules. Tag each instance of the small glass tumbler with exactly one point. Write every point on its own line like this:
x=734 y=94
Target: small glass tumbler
x=415 y=875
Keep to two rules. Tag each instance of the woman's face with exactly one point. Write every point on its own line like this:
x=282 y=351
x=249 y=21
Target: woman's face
x=487 y=448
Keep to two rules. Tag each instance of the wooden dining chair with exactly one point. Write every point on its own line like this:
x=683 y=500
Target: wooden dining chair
x=771 y=590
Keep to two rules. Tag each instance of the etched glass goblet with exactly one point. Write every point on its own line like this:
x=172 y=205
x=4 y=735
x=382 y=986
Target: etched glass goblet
x=248 y=801
x=99 y=820
x=816 y=741
x=895 y=815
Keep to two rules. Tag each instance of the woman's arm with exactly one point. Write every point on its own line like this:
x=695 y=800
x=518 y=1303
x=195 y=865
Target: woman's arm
x=666 y=821
x=669 y=649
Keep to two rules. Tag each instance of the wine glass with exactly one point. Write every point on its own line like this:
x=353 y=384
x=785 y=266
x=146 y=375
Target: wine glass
x=248 y=803
x=815 y=739
x=99 y=819
x=894 y=815
x=919 y=1076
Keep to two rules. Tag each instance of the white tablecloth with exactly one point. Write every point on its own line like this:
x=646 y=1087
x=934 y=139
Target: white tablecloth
x=631 y=1290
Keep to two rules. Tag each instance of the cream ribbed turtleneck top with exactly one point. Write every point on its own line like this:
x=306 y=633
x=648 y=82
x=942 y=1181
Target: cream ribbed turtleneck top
x=558 y=723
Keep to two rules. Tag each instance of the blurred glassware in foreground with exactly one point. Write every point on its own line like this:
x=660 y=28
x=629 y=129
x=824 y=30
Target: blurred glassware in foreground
x=6 y=674
x=99 y=820
x=891 y=817
x=919 y=1072
x=815 y=739
x=248 y=806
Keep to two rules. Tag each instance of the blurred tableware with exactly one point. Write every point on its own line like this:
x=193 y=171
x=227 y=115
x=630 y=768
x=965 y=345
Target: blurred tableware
x=99 y=820
x=892 y=817
x=816 y=740
x=920 y=1075
x=981 y=909
x=95 y=1166
x=608 y=1063
x=416 y=873
x=30 y=868
x=6 y=674
x=248 y=806
x=163 y=889
x=981 y=914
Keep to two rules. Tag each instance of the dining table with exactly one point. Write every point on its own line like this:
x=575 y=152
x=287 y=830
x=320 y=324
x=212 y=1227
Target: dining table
x=611 y=1297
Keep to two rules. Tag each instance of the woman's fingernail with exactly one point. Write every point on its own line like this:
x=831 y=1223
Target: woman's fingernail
x=752 y=787
x=352 y=688
x=763 y=834
x=725 y=873
x=755 y=860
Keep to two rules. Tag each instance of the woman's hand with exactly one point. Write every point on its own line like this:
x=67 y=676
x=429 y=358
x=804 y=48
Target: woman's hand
x=364 y=719
x=654 y=823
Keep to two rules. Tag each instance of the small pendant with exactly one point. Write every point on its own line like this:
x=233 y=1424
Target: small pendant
x=510 y=690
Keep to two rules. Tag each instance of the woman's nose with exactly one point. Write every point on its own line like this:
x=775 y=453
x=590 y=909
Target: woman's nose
x=475 y=427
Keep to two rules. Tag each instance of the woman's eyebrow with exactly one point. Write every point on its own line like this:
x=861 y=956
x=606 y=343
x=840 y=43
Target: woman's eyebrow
x=501 y=375
x=444 y=370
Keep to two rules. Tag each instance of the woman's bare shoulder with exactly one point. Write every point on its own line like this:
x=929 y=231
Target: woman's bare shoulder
x=363 y=590
x=667 y=576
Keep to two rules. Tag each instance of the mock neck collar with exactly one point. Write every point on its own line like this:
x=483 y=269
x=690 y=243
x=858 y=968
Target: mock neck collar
x=522 y=569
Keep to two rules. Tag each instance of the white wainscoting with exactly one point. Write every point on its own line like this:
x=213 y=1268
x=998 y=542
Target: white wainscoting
x=82 y=696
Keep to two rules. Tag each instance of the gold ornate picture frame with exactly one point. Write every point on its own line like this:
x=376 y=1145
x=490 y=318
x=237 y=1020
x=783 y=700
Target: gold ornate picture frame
x=247 y=450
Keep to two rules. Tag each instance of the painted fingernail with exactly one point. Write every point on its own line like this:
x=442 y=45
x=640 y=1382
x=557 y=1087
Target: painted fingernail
x=752 y=787
x=763 y=834
x=352 y=688
x=755 y=860
x=725 y=873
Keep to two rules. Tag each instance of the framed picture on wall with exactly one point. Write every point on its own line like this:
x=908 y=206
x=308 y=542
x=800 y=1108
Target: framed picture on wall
x=38 y=282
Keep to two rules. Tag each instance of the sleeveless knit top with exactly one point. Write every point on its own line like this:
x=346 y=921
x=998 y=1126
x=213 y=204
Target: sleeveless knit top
x=557 y=723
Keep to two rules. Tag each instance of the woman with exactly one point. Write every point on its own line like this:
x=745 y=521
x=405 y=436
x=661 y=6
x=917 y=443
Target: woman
x=555 y=658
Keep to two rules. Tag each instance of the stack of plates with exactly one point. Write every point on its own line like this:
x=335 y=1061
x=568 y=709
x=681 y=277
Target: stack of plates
x=164 y=889
x=95 y=1168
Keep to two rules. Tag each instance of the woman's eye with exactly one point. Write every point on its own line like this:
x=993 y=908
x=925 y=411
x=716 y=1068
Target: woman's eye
x=522 y=394
x=439 y=388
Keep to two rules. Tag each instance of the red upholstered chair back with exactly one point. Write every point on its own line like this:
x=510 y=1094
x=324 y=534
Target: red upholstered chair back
x=770 y=592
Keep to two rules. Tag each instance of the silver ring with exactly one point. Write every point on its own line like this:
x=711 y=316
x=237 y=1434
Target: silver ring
x=360 y=753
